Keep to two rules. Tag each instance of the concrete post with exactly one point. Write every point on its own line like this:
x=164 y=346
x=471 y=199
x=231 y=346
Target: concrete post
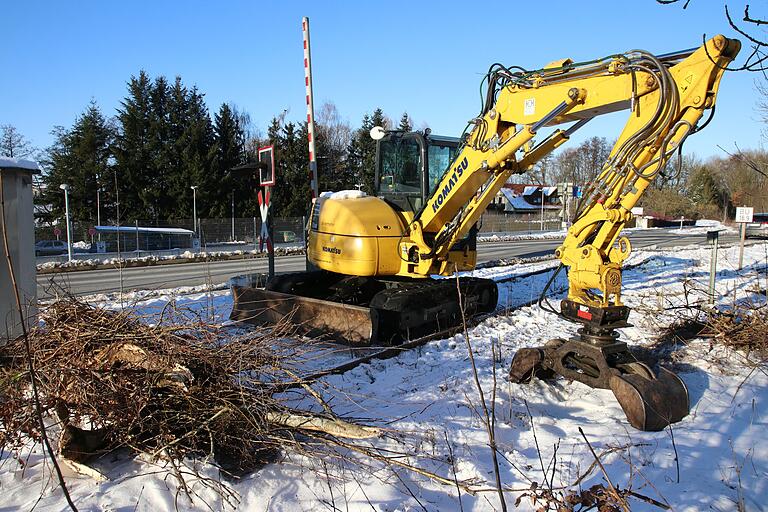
x=18 y=229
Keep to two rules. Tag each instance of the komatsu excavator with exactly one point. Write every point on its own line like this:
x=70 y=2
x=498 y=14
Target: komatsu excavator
x=381 y=259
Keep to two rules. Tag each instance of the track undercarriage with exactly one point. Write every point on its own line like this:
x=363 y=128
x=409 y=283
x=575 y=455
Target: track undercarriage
x=363 y=310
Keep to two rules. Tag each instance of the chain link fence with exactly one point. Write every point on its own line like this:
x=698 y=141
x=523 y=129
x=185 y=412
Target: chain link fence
x=497 y=222
x=164 y=237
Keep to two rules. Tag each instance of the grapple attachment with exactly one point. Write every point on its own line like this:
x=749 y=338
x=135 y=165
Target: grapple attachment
x=650 y=400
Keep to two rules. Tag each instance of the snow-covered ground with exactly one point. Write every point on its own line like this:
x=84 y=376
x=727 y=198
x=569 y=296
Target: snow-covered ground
x=427 y=401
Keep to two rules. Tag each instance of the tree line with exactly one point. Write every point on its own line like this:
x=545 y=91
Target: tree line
x=140 y=164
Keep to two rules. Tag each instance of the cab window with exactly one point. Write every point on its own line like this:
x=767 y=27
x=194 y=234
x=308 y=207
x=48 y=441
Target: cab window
x=440 y=157
x=400 y=172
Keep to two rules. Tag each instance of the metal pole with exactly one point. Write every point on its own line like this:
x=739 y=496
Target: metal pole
x=69 y=233
x=542 y=208
x=194 y=208
x=310 y=108
x=137 y=236
x=741 y=243
x=98 y=210
x=233 y=217
x=271 y=234
x=713 y=268
x=255 y=236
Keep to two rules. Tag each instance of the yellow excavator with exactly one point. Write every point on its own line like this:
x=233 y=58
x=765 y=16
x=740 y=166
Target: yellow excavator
x=382 y=260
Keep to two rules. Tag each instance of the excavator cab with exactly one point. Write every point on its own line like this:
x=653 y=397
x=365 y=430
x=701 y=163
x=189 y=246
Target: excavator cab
x=409 y=166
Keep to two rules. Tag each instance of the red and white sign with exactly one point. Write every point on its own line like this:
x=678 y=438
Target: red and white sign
x=264 y=212
x=57 y=232
x=91 y=231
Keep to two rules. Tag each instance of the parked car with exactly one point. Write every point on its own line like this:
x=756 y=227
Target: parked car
x=50 y=248
x=758 y=228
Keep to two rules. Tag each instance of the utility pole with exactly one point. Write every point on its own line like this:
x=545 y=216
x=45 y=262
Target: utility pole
x=194 y=208
x=65 y=188
x=98 y=209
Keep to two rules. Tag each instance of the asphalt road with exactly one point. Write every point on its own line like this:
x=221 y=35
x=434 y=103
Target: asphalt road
x=191 y=274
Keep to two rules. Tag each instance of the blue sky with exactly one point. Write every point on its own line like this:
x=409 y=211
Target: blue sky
x=426 y=58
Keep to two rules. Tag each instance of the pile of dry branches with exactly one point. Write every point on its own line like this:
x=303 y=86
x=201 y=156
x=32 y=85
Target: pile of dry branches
x=163 y=390
x=745 y=329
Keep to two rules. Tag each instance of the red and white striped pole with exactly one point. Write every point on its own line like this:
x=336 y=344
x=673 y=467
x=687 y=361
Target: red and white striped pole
x=310 y=109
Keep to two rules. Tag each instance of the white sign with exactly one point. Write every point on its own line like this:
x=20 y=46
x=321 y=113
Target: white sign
x=744 y=214
x=529 y=107
x=638 y=211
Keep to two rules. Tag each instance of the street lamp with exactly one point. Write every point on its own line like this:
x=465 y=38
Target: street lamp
x=194 y=207
x=65 y=188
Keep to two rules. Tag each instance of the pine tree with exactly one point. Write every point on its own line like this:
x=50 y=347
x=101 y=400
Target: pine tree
x=133 y=158
x=229 y=152
x=159 y=142
x=80 y=157
x=180 y=204
x=196 y=145
x=362 y=151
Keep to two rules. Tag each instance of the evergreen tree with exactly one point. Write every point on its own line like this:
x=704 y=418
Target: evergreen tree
x=197 y=150
x=180 y=203
x=132 y=155
x=159 y=142
x=80 y=157
x=229 y=152
x=362 y=151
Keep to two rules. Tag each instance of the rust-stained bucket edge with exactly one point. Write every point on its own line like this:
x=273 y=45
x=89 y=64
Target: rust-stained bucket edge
x=331 y=321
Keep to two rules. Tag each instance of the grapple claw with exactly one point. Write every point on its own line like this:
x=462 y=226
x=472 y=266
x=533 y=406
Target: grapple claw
x=651 y=403
x=526 y=365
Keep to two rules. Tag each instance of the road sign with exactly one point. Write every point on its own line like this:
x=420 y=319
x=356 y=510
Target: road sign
x=264 y=211
x=267 y=172
x=91 y=231
x=744 y=213
x=56 y=232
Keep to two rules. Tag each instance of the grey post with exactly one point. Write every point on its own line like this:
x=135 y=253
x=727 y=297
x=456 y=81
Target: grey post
x=65 y=188
x=712 y=237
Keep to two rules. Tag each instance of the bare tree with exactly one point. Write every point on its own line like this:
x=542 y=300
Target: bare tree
x=581 y=164
x=750 y=27
x=13 y=144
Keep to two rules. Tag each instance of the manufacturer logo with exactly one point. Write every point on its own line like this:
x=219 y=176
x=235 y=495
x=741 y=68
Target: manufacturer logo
x=458 y=171
x=332 y=250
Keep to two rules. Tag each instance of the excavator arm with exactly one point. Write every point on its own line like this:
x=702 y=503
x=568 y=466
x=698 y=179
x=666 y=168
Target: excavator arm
x=666 y=97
